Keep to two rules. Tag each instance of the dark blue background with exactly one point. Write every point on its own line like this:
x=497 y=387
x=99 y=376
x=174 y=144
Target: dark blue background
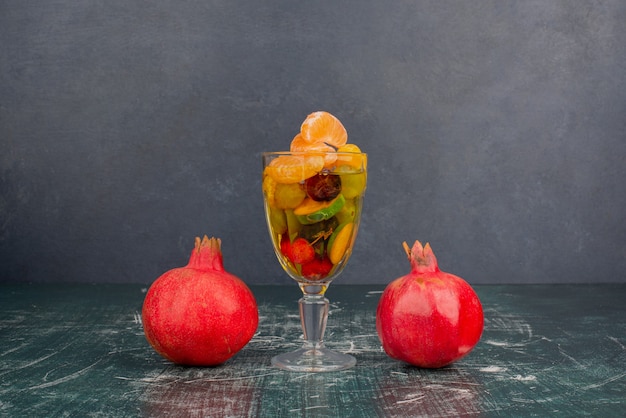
x=496 y=131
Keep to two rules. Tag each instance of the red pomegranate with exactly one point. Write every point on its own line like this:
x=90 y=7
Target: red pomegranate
x=199 y=315
x=428 y=318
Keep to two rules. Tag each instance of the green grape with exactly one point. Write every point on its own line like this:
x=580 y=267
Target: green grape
x=353 y=184
x=278 y=221
x=347 y=212
x=288 y=196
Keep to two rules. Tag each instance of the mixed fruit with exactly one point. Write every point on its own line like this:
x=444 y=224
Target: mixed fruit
x=313 y=198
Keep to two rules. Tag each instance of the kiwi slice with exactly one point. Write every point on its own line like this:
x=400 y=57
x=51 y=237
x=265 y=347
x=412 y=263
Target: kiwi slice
x=310 y=211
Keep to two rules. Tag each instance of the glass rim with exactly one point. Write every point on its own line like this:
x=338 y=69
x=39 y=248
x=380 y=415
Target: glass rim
x=305 y=153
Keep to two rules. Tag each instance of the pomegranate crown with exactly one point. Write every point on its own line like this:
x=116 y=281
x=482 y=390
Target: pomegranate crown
x=207 y=254
x=422 y=258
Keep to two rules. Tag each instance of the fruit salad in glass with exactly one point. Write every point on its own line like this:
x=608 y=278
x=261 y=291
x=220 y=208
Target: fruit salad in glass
x=313 y=196
x=313 y=207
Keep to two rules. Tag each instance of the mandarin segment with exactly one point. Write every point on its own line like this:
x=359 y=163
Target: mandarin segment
x=325 y=128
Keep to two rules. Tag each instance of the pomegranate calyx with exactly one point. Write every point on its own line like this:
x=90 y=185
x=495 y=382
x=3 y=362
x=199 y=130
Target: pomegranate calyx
x=207 y=254
x=422 y=258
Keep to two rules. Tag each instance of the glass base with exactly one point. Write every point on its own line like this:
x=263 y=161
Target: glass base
x=311 y=359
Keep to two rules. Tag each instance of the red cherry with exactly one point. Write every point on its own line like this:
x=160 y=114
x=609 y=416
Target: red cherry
x=317 y=269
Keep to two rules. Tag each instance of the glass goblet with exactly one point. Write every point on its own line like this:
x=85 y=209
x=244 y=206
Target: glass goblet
x=313 y=207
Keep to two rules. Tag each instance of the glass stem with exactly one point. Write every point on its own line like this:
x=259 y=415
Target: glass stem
x=313 y=315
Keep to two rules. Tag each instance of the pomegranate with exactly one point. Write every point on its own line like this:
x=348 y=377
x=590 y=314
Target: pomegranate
x=428 y=318
x=199 y=315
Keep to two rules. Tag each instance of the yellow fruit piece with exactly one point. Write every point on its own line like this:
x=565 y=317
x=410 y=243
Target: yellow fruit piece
x=340 y=242
x=269 y=188
x=349 y=148
x=353 y=157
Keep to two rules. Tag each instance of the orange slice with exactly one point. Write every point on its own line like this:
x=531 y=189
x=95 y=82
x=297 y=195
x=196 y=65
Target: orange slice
x=294 y=168
x=325 y=128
